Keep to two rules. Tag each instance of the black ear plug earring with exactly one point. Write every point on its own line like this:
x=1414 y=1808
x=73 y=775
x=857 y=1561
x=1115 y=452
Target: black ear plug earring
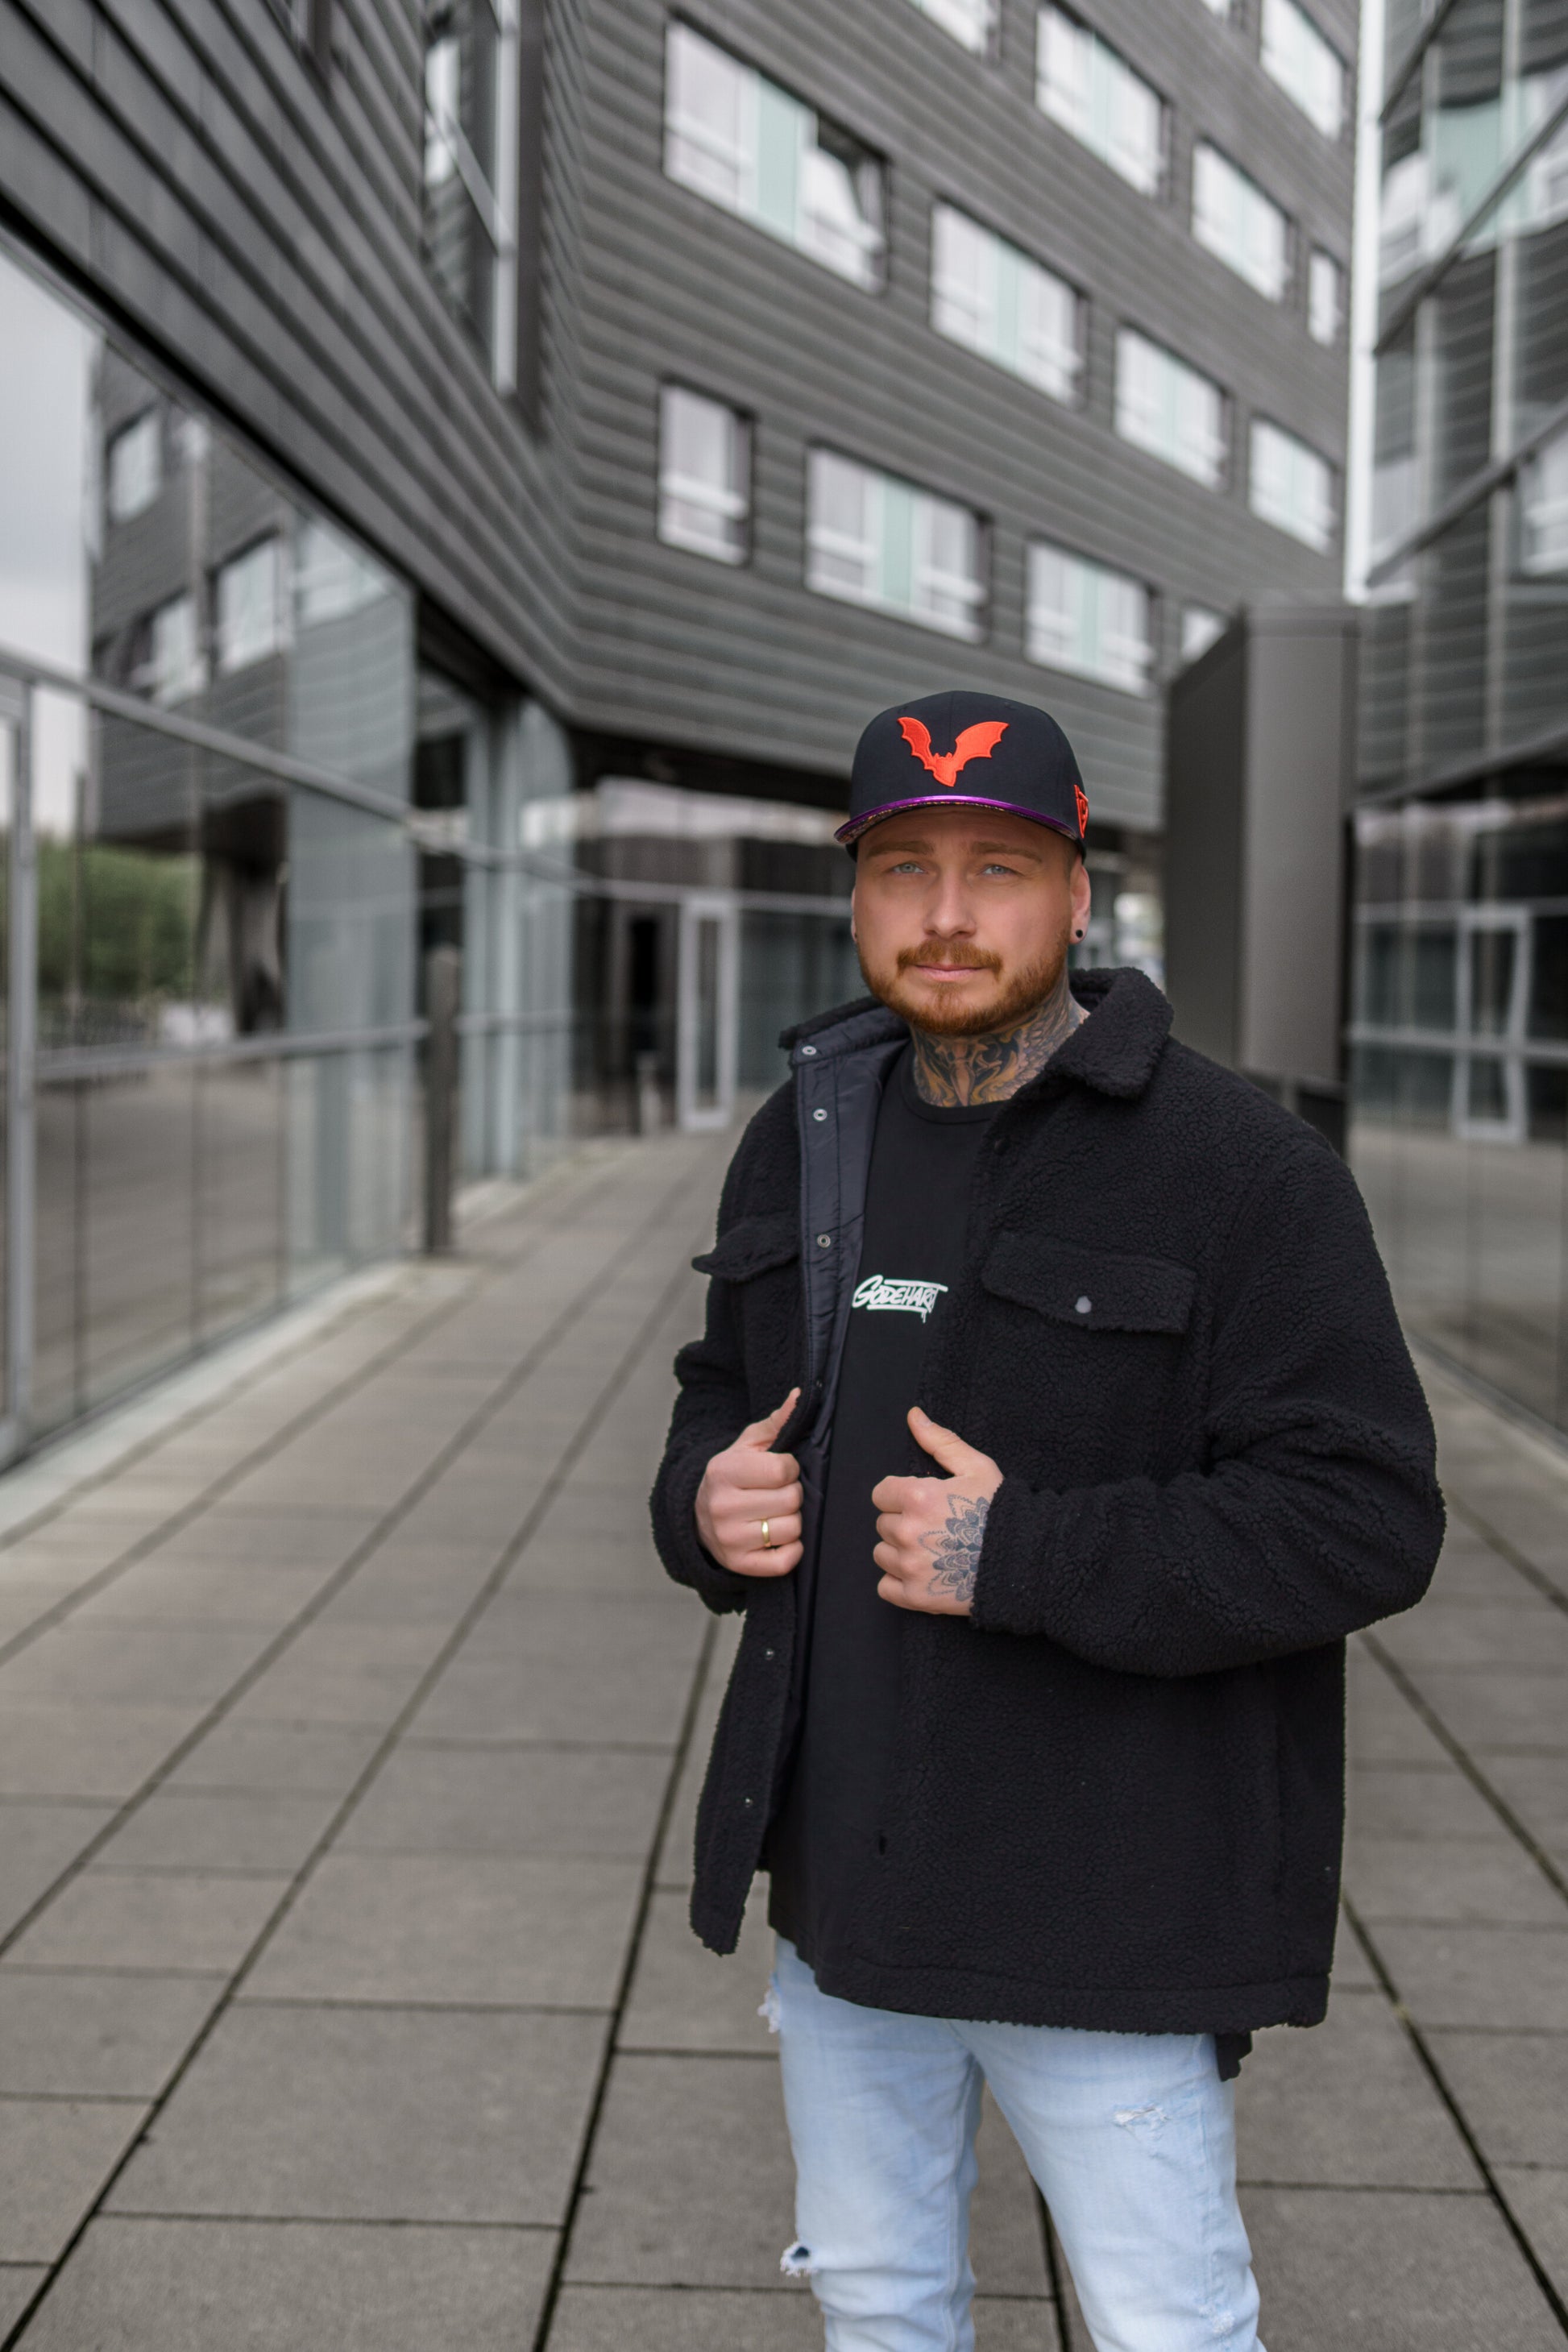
x=1078 y=935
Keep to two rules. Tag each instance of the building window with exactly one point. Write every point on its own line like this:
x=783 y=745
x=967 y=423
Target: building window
x=1168 y=408
x=134 y=467
x=1290 y=486
x=249 y=607
x=471 y=101
x=175 y=667
x=987 y=293
x=1094 y=93
x=873 y=538
x=704 y=475
x=332 y=578
x=1234 y=219
x=1087 y=619
x=1306 y=66
x=971 y=22
x=1201 y=628
x=1325 y=297
x=1220 y=8
x=744 y=143
x=1543 y=507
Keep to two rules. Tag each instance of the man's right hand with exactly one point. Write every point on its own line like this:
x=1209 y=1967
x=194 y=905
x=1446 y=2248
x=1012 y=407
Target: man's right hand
x=745 y=1485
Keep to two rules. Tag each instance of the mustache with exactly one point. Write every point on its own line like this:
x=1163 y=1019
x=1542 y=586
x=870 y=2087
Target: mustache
x=971 y=959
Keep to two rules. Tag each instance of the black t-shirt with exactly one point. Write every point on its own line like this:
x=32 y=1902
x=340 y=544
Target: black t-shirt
x=917 y=1208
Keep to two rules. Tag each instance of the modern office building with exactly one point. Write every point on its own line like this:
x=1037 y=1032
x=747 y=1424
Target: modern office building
x=1460 y=1062
x=467 y=472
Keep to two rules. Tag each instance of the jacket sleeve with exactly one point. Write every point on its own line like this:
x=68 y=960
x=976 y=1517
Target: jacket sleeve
x=710 y=1412
x=1317 y=1508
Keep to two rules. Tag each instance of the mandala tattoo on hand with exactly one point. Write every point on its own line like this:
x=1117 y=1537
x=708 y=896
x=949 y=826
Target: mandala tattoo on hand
x=956 y=1547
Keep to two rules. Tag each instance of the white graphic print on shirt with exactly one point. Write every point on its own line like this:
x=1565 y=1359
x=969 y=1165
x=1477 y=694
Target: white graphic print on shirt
x=882 y=1293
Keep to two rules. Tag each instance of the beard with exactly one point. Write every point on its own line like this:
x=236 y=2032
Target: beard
x=1017 y=993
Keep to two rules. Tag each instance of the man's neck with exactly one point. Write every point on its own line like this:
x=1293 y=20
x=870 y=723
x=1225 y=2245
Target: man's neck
x=950 y=1071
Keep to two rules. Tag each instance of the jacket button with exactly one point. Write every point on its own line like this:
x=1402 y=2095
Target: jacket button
x=825 y=1241
x=1084 y=1305
x=767 y=1654
x=808 y=1052
x=819 y=1116
x=747 y=1802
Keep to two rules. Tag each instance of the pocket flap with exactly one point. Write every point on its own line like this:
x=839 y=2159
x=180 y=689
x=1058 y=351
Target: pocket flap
x=1103 y=1290
x=751 y=1246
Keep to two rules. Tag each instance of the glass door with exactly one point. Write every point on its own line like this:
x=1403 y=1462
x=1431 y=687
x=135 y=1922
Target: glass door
x=707 y=1008
x=1494 y=991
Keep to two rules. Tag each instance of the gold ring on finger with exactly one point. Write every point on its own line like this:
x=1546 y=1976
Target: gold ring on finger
x=768 y=1543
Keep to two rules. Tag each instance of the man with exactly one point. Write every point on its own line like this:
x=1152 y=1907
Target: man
x=1097 y=1437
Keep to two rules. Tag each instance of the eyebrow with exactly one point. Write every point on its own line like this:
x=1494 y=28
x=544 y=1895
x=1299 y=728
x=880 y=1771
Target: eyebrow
x=921 y=844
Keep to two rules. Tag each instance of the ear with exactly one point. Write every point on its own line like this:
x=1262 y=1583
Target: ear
x=1082 y=895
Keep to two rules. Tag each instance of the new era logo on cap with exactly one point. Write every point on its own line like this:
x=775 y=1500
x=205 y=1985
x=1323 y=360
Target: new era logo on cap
x=929 y=754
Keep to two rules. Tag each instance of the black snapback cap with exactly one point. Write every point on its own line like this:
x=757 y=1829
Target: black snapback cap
x=966 y=750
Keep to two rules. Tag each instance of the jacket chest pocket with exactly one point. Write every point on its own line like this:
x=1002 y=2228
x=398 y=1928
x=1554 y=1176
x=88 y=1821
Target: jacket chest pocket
x=1090 y=1339
x=759 y=1257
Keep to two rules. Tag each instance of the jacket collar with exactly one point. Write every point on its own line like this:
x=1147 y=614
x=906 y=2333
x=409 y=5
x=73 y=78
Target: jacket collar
x=1115 y=1053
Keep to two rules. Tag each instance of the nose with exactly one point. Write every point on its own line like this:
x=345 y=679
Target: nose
x=948 y=915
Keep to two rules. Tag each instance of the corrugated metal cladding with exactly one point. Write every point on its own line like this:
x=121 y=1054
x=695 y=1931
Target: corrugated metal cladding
x=258 y=222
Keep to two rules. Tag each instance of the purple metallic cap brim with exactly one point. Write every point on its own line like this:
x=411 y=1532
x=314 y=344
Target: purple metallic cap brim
x=860 y=825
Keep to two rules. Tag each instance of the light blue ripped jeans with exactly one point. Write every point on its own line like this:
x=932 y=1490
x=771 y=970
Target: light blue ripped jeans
x=1131 y=2137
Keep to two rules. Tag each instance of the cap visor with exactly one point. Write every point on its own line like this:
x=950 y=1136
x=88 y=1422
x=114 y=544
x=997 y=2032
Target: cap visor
x=860 y=825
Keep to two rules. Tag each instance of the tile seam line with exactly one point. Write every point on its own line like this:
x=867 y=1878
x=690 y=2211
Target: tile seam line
x=1422 y=1707
x=570 y=1453
x=1417 y=2039
x=1518 y=1560
x=146 y=1546
x=340 y=1577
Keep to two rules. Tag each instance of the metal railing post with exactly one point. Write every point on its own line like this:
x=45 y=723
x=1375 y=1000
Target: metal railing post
x=443 y=974
x=21 y=1042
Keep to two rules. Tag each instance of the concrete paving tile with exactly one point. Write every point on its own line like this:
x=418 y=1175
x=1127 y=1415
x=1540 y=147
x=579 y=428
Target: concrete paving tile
x=1347 y=2104
x=77 y=1747
x=1539 y=2203
x=1536 y=1787
x=187 y=1829
x=481 y=1929
x=159 y=1592
x=296 y=1759
x=55 y=2156
x=1380 y=1725
x=597 y=1564
x=38 y=1842
x=1453 y=1878
x=1391 y=2272
x=684 y=1997
x=691 y=2178
x=396 y=1593
x=1485 y=1708
x=23 y=1605
x=216 y=2286
x=373 y=2114
x=282 y=1538
x=670 y=2319
x=97 y=2037
x=1389 y=1802
x=573 y=1667
x=1005 y=2242
x=158 y=1920
x=1513 y=1977
x=1474 y=1571
x=587 y=1800
x=131 y=1664
x=1512 y=2089
x=1352 y=1971
x=19 y=2283
x=1481 y=1637
x=344 y=1674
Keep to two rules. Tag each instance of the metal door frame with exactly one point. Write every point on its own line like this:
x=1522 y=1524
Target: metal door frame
x=1507 y=1043
x=21 y=1055
x=698 y=907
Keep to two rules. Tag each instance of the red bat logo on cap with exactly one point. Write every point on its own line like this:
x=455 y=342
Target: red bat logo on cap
x=974 y=743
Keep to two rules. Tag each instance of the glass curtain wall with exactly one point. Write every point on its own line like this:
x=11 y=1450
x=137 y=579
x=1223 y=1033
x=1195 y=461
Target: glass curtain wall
x=1460 y=994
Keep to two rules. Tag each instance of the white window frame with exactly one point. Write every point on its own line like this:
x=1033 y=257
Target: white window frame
x=1084 y=84
x=986 y=312
x=177 y=667
x=1239 y=223
x=230 y=659
x=1299 y=56
x=1092 y=643
x=1291 y=513
x=890 y=503
x=804 y=209
x=1324 y=272
x=142 y=435
x=448 y=154
x=970 y=23
x=1156 y=392
x=729 y=502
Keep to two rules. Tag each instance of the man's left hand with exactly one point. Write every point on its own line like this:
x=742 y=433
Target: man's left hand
x=930 y=1529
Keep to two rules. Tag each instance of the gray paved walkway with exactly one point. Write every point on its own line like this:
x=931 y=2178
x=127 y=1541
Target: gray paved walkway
x=349 y=1739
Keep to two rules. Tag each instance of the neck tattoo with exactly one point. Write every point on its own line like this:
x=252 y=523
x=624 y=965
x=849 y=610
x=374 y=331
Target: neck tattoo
x=953 y=1071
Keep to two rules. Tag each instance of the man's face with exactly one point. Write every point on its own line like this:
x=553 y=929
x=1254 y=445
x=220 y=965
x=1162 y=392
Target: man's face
x=962 y=916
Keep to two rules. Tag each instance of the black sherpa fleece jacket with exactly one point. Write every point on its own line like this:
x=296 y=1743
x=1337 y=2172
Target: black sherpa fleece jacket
x=1117 y=1791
